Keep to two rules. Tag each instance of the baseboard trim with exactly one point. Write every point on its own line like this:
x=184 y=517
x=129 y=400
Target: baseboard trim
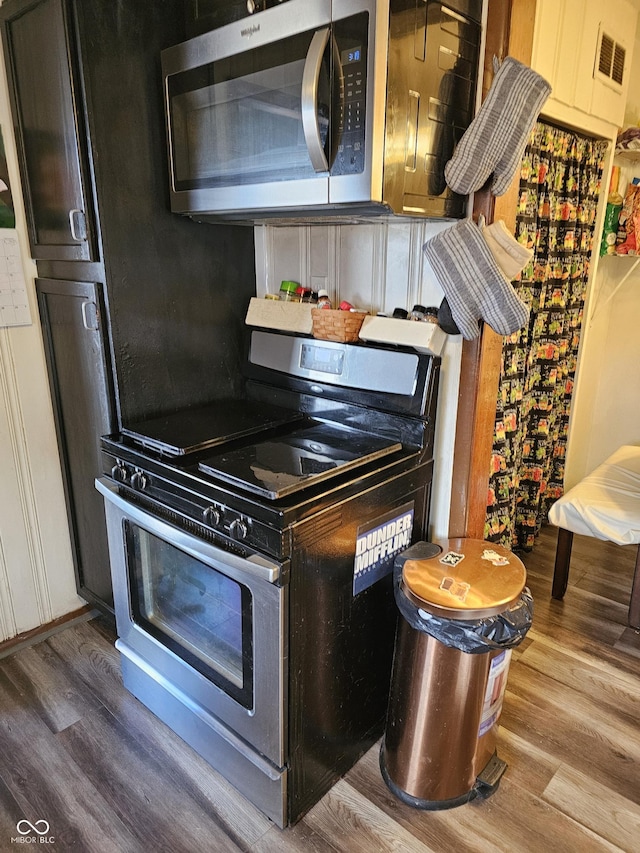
x=42 y=632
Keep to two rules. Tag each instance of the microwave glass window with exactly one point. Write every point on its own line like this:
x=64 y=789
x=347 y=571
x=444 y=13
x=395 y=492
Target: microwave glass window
x=239 y=120
x=199 y=613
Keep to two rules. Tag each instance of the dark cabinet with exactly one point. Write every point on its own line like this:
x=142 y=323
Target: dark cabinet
x=50 y=132
x=72 y=314
x=39 y=45
x=160 y=325
x=205 y=15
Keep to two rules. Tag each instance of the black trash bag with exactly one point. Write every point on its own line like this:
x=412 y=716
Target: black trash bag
x=506 y=630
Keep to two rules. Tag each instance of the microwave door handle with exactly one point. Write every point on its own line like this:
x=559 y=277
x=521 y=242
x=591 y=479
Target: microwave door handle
x=310 y=78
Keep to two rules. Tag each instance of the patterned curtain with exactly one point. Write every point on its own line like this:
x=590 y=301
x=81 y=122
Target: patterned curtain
x=559 y=188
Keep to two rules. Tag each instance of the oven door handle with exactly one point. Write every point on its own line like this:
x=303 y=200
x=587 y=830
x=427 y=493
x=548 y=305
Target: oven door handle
x=256 y=565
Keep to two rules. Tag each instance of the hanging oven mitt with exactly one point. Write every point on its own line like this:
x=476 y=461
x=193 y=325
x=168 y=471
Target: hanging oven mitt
x=474 y=285
x=512 y=257
x=445 y=319
x=495 y=140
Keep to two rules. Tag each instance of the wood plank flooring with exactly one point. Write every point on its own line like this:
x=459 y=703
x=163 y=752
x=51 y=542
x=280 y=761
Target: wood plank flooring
x=80 y=752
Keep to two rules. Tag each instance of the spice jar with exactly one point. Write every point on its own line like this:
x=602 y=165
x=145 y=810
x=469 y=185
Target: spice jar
x=417 y=312
x=288 y=291
x=323 y=299
x=431 y=314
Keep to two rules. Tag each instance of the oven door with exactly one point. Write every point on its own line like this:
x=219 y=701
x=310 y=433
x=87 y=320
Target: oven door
x=208 y=623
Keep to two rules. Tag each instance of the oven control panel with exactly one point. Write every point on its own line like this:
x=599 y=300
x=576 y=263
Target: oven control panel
x=213 y=516
x=134 y=477
x=363 y=367
x=227 y=521
x=180 y=503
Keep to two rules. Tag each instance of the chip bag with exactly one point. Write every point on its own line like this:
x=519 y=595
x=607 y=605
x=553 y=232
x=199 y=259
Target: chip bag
x=626 y=241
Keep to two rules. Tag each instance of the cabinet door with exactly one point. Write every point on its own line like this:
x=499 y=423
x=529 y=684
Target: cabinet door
x=50 y=132
x=566 y=51
x=205 y=15
x=72 y=315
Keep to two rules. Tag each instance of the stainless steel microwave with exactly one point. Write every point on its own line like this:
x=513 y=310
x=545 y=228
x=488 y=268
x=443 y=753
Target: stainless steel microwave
x=322 y=108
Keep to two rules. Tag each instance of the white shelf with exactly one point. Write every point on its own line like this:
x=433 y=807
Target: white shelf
x=630 y=155
x=274 y=314
x=423 y=337
x=623 y=261
x=623 y=265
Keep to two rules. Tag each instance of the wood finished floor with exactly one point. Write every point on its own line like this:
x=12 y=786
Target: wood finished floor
x=79 y=752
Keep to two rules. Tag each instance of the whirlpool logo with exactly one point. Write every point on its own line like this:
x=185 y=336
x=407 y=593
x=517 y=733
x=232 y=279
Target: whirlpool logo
x=247 y=32
x=33 y=833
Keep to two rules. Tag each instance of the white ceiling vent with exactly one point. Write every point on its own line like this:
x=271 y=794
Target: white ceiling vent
x=610 y=61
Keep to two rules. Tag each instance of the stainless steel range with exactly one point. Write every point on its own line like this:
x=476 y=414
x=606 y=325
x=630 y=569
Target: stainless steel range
x=251 y=546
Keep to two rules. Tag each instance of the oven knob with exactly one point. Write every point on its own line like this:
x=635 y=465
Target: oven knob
x=119 y=473
x=212 y=516
x=139 y=481
x=239 y=529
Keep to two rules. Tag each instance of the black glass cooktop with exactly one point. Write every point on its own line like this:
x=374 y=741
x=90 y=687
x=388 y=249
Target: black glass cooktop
x=280 y=465
x=189 y=430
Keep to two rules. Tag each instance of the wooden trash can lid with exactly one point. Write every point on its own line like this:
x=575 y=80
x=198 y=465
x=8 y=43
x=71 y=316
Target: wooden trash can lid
x=468 y=579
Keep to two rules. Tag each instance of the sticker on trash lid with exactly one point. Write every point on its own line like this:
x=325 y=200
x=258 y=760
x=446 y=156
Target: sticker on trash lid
x=458 y=589
x=451 y=558
x=495 y=558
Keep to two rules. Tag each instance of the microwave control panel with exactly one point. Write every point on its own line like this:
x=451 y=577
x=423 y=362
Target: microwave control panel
x=351 y=38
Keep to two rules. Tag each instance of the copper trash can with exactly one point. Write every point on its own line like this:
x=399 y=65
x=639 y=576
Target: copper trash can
x=463 y=606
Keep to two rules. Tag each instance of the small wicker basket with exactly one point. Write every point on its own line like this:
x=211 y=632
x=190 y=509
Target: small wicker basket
x=336 y=325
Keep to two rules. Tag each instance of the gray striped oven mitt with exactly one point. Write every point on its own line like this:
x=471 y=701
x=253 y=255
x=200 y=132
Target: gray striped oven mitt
x=474 y=285
x=494 y=142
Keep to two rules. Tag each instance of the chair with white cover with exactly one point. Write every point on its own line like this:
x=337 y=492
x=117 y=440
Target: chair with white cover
x=605 y=505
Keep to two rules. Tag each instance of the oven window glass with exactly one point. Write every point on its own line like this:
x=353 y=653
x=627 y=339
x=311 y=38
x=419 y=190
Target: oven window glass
x=199 y=613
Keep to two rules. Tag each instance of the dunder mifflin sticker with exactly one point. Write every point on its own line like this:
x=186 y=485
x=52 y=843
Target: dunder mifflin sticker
x=377 y=545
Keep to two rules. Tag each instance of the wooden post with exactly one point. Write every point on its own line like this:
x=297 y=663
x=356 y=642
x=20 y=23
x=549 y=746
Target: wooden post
x=509 y=33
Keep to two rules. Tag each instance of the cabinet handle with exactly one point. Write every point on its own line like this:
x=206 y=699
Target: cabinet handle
x=89 y=321
x=77 y=225
x=411 y=153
